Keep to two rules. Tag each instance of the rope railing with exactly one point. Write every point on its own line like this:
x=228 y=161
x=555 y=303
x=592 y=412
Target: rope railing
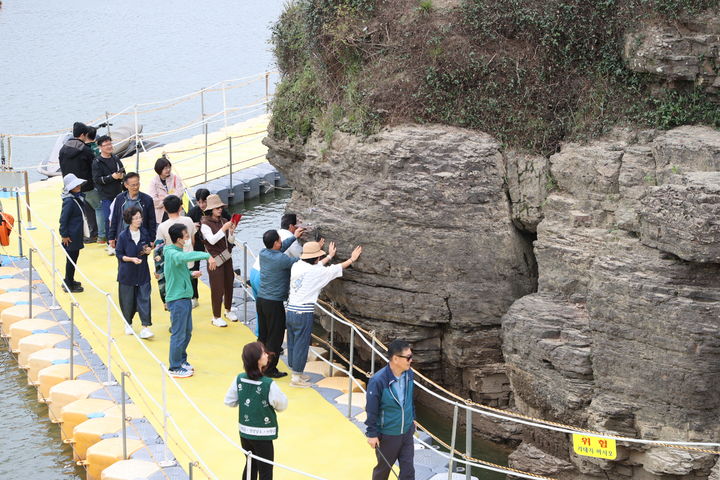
x=220 y=86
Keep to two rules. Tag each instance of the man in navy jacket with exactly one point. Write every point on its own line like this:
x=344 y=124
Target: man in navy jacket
x=391 y=413
x=133 y=197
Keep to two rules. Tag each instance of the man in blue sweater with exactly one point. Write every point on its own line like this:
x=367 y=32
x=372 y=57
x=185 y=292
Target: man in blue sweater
x=274 y=288
x=391 y=413
x=133 y=197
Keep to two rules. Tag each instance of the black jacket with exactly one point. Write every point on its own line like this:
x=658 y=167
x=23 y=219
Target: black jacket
x=76 y=157
x=118 y=207
x=102 y=170
x=71 y=220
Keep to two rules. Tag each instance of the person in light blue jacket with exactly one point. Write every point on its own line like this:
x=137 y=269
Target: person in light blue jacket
x=391 y=413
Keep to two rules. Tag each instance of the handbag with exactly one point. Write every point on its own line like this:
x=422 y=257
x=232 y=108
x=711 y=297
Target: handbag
x=222 y=257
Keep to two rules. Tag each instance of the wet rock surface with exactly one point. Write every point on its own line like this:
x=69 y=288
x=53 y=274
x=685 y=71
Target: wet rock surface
x=583 y=288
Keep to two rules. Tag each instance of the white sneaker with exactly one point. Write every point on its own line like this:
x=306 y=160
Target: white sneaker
x=110 y=250
x=195 y=303
x=128 y=330
x=219 y=322
x=146 y=333
x=181 y=373
x=230 y=315
x=298 y=382
x=305 y=377
x=188 y=367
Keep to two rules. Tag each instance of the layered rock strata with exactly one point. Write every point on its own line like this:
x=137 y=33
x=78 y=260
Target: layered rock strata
x=600 y=264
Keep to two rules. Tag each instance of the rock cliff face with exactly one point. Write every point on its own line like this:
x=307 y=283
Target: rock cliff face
x=583 y=288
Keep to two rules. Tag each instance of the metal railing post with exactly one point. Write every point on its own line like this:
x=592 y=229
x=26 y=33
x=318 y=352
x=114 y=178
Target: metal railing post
x=206 y=149
x=372 y=354
x=54 y=305
x=202 y=106
x=107 y=123
x=267 y=91
x=27 y=202
x=166 y=462
x=30 y=269
x=248 y=466
x=332 y=344
x=190 y=470
x=124 y=427
x=351 y=375
x=73 y=305
x=19 y=221
x=109 y=380
x=468 y=441
x=230 y=165
x=137 y=142
x=452 y=442
x=225 y=111
x=245 y=281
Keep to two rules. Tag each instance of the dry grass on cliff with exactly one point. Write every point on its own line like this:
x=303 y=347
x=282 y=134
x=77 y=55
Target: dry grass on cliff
x=532 y=73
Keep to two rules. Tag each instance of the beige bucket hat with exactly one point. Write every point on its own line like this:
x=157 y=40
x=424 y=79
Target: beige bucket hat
x=312 y=250
x=214 y=201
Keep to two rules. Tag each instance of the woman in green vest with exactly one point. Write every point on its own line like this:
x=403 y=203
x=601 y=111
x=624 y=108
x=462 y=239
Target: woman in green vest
x=258 y=397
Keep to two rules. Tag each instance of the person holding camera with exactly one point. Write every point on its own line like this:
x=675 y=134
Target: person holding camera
x=219 y=240
x=107 y=173
x=132 y=248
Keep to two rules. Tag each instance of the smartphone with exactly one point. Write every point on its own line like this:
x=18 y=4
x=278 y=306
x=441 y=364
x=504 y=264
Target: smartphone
x=236 y=218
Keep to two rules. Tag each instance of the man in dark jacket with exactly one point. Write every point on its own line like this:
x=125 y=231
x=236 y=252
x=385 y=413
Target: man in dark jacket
x=391 y=413
x=133 y=197
x=107 y=173
x=76 y=157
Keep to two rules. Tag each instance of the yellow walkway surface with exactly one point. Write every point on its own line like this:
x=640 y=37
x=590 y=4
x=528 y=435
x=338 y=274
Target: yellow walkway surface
x=314 y=436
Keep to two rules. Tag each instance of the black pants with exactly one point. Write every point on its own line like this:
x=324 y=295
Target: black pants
x=261 y=448
x=193 y=280
x=70 y=268
x=271 y=328
x=221 y=288
x=392 y=448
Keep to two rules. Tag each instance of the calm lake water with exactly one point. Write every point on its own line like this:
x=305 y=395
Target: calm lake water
x=72 y=60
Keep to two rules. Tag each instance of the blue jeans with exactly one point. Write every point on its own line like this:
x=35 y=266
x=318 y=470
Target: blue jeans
x=299 y=330
x=180 y=331
x=102 y=215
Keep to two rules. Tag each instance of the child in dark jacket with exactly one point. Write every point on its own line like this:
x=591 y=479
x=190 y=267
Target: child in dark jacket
x=73 y=226
x=133 y=246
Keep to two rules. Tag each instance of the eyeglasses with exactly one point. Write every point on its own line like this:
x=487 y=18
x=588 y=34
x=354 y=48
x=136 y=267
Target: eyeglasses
x=406 y=357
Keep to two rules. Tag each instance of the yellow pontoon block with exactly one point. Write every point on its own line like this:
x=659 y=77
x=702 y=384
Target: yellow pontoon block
x=9 y=271
x=75 y=413
x=33 y=343
x=51 y=376
x=67 y=392
x=91 y=431
x=28 y=327
x=323 y=368
x=341 y=383
x=44 y=358
x=16 y=313
x=107 y=452
x=130 y=470
x=10 y=299
x=13 y=284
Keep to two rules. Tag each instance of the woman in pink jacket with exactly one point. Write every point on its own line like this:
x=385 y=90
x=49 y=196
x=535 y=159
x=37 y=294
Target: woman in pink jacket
x=164 y=184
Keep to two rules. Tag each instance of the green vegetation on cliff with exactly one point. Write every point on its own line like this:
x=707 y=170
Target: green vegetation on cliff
x=531 y=73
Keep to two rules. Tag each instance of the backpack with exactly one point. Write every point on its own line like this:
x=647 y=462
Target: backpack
x=6 y=225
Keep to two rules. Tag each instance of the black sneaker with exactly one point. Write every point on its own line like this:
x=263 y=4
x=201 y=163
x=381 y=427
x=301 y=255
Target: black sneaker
x=74 y=288
x=276 y=374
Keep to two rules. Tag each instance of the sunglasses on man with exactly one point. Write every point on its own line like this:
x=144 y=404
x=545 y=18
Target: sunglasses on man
x=406 y=357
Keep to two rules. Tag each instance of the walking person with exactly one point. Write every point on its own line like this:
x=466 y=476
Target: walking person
x=178 y=292
x=73 y=227
x=107 y=172
x=172 y=206
x=76 y=157
x=307 y=278
x=219 y=241
x=259 y=398
x=391 y=413
x=274 y=286
x=163 y=184
x=133 y=247
x=133 y=197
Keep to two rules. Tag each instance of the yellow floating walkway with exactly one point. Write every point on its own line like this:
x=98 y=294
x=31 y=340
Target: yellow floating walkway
x=315 y=437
